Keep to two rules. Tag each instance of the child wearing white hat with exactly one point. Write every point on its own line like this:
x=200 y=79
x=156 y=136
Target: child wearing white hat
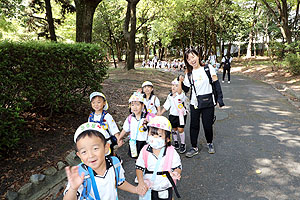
x=100 y=115
x=177 y=115
x=152 y=103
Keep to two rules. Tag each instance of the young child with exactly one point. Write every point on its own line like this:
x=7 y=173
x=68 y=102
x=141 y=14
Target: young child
x=175 y=102
x=158 y=165
x=101 y=116
x=151 y=101
x=135 y=125
x=98 y=176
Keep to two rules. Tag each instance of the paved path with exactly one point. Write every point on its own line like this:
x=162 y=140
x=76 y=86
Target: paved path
x=258 y=129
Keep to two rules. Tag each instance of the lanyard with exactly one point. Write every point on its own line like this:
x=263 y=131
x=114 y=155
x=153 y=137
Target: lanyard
x=137 y=130
x=157 y=164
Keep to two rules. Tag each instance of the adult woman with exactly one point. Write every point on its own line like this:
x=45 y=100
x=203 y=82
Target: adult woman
x=201 y=79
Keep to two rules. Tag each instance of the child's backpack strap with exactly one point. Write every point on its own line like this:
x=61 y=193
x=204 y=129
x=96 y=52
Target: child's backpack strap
x=91 y=117
x=87 y=183
x=152 y=115
x=117 y=167
x=145 y=154
x=169 y=157
x=129 y=119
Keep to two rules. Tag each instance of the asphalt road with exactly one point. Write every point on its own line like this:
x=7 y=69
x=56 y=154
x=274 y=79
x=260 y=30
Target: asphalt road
x=257 y=130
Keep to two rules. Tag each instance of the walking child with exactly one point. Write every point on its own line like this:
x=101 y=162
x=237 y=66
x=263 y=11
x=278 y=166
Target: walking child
x=151 y=101
x=177 y=116
x=135 y=125
x=98 y=176
x=158 y=165
x=101 y=116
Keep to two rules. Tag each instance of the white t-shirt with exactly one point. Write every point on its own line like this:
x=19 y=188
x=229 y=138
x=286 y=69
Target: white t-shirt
x=201 y=82
x=109 y=122
x=106 y=184
x=161 y=182
x=175 y=103
x=151 y=104
x=135 y=128
x=212 y=59
x=223 y=59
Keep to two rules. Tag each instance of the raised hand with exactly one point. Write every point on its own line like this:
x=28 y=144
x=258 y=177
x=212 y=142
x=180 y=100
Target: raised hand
x=73 y=177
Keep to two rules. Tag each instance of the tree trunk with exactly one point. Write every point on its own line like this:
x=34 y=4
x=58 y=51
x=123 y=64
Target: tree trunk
x=50 y=20
x=239 y=49
x=250 y=43
x=85 y=10
x=130 y=19
x=229 y=49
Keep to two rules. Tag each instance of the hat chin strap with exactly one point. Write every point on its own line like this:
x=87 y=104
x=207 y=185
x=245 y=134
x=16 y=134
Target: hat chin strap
x=108 y=152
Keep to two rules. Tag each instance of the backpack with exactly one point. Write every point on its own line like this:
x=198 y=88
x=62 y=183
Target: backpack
x=87 y=182
x=227 y=63
x=167 y=164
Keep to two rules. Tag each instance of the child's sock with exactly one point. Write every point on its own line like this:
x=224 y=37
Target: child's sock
x=174 y=134
x=182 y=137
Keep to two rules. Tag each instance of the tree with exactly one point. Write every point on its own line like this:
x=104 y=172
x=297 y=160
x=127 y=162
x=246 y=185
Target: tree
x=85 y=10
x=281 y=17
x=130 y=31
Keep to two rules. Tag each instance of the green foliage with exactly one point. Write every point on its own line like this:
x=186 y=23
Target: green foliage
x=293 y=63
x=45 y=78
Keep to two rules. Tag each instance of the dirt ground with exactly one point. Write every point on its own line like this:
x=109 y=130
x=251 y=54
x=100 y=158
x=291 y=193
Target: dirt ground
x=52 y=139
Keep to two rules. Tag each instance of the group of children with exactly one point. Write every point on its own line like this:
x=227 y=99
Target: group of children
x=158 y=164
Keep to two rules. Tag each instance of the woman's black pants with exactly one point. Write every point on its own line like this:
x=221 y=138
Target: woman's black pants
x=224 y=73
x=207 y=116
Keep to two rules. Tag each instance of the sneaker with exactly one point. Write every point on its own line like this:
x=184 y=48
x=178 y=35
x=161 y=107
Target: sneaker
x=182 y=148
x=211 y=148
x=228 y=81
x=176 y=145
x=136 y=180
x=192 y=152
x=222 y=81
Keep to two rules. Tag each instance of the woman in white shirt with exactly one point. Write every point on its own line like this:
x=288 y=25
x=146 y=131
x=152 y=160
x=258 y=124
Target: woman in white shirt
x=203 y=99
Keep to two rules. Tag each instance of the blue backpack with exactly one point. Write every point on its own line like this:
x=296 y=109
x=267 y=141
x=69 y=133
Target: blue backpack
x=88 y=182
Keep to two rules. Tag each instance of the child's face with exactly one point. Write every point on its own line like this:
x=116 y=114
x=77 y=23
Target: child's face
x=98 y=103
x=91 y=150
x=136 y=107
x=148 y=89
x=160 y=133
x=174 y=88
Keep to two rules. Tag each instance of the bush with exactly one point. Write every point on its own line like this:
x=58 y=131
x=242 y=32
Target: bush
x=45 y=77
x=293 y=63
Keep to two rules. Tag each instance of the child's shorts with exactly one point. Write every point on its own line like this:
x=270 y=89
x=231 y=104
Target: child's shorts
x=162 y=195
x=175 y=121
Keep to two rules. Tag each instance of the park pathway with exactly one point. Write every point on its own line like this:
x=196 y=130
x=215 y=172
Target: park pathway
x=257 y=131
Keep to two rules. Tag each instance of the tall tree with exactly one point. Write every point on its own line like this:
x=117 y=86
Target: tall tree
x=50 y=20
x=282 y=18
x=85 y=10
x=130 y=31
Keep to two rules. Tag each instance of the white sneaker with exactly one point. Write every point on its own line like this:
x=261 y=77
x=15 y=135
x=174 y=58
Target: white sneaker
x=222 y=81
x=136 y=180
x=228 y=81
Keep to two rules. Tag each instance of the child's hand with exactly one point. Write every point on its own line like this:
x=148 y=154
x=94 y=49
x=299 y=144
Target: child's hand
x=73 y=177
x=120 y=142
x=175 y=175
x=140 y=90
x=142 y=188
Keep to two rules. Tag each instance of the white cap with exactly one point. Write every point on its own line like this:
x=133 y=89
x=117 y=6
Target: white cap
x=99 y=94
x=136 y=97
x=175 y=82
x=147 y=83
x=90 y=126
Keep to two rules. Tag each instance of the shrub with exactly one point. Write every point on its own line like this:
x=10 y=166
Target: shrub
x=45 y=77
x=293 y=63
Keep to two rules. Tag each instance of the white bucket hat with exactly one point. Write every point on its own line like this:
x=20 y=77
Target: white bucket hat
x=99 y=94
x=90 y=126
x=146 y=83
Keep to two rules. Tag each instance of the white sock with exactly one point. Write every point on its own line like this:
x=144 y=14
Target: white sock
x=174 y=135
x=182 y=137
